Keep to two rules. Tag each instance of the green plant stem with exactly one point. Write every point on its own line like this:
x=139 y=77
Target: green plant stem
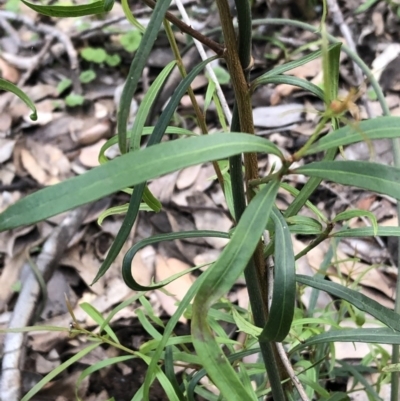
x=238 y=60
x=322 y=237
x=245 y=34
x=265 y=180
x=199 y=115
x=302 y=151
x=395 y=378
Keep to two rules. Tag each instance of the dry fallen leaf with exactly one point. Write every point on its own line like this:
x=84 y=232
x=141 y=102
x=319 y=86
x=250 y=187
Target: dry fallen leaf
x=278 y=116
x=143 y=267
x=8 y=72
x=33 y=167
x=178 y=288
x=188 y=176
x=209 y=219
x=89 y=130
x=89 y=155
x=9 y=276
x=6 y=148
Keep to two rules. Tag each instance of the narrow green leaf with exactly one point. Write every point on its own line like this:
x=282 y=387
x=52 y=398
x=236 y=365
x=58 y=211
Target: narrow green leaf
x=304 y=229
x=373 y=336
x=79 y=10
x=135 y=133
x=339 y=397
x=173 y=320
x=121 y=209
x=130 y=17
x=284 y=289
x=146 y=131
x=331 y=64
x=393 y=367
x=295 y=81
x=108 y=5
x=310 y=186
x=350 y=214
x=118 y=308
x=287 y=67
x=209 y=95
x=356 y=298
x=170 y=373
x=305 y=221
x=358 y=376
x=148 y=308
x=218 y=280
x=245 y=326
x=153 y=344
x=365 y=6
x=127 y=262
x=98 y=318
x=10 y=87
x=136 y=68
x=238 y=356
x=151 y=201
x=117 y=174
x=27 y=329
x=58 y=370
x=371 y=176
x=147 y=326
x=140 y=120
x=376 y=128
x=368 y=232
x=295 y=192
x=98 y=366
x=162 y=378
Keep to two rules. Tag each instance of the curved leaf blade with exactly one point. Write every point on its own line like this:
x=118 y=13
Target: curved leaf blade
x=376 y=128
x=217 y=282
x=79 y=10
x=136 y=68
x=146 y=131
x=117 y=174
x=350 y=214
x=127 y=262
x=295 y=81
x=356 y=298
x=136 y=132
x=289 y=66
x=393 y=231
x=371 y=176
x=10 y=87
x=55 y=372
x=98 y=366
x=373 y=336
x=130 y=17
x=284 y=291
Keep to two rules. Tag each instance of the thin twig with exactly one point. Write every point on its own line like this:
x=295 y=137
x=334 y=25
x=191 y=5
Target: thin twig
x=210 y=71
x=9 y=29
x=53 y=249
x=338 y=19
x=216 y=47
x=99 y=25
x=35 y=63
x=57 y=34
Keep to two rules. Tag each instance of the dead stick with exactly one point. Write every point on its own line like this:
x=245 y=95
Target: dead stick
x=14 y=352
